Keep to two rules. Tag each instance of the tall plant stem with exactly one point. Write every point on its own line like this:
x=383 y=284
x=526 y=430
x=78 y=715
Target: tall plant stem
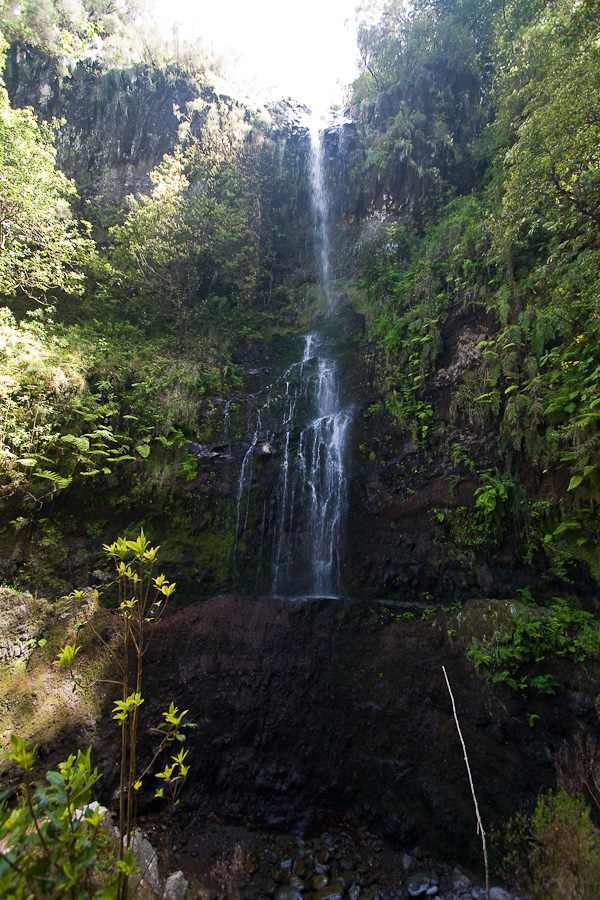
x=479 y=822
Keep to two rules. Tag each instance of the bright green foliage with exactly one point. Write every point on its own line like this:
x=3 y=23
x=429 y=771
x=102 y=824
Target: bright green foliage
x=551 y=97
x=198 y=236
x=124 y=708
x=42 y=247
x=39 y=374
x=493 y=495
x=53 y=843
x=159 y=244
x=141 y=604
x=554 y=853
x=518 y=248
x=44 y=392
x=80 y=29
x=535 y=635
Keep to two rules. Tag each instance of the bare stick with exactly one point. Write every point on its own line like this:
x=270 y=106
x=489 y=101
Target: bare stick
x=479 y=824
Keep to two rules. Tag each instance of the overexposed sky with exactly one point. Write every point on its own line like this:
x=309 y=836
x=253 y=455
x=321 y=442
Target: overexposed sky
x=305 y=50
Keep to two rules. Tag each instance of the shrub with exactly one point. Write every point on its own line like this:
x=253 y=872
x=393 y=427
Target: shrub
x=555 y=853
x=52 y=843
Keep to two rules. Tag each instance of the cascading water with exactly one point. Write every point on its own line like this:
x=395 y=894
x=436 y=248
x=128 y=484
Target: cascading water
x=305 y=521
x=321 y=206
x=308 y=531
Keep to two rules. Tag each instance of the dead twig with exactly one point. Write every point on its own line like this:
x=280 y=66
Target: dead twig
x=479 y=823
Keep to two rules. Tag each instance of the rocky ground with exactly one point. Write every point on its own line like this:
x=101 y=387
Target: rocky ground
x=228 y=862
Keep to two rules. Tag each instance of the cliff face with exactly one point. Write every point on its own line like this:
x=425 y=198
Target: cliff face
x=318 y=708
x=309 y=707
x=117 y=124
x=383 y=166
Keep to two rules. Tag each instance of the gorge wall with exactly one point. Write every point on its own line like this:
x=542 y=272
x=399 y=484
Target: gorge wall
x=379 y=170
x=459 y=470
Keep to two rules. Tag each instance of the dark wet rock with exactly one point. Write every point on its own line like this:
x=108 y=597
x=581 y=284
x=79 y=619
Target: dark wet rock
x=467 y=351
x=318 y=705
x=331 y=892
x=346 y=877
x=288 y=892
x=226 y=848
x=581 y=704
x=460 y=882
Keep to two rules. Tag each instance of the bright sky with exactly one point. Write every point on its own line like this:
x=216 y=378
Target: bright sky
x=305 y=49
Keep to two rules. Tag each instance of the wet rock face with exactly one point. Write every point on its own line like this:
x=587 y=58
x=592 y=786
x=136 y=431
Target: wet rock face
x=414 y=530
x=318 y=708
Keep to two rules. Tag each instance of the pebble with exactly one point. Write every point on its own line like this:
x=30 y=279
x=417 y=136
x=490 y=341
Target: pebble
x=288 y=892
x=417 y=885
x=332 y=892
x=497 y=893
x=347 y=869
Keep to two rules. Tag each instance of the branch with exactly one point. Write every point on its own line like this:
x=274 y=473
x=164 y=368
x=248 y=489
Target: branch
x=479 y=823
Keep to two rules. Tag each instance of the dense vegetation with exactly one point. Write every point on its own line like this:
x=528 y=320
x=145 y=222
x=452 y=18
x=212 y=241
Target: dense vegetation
x=498 y=123
x=471 y=195
x=118 y=333
x=486 y=122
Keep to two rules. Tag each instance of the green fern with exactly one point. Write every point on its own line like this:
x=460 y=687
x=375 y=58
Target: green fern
x=82 y=443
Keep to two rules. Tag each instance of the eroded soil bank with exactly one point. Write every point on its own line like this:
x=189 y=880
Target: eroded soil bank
x=310 y=711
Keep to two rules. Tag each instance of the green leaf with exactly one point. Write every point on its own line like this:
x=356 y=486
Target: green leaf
x=575 y=482
x=82 y=443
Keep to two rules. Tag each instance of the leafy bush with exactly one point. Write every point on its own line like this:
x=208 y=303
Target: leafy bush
x=533 y=635
x=554 y=853
x=53 y=843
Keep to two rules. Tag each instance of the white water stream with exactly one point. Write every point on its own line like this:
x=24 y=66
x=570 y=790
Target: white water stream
x=306 y=524
x=311 y=502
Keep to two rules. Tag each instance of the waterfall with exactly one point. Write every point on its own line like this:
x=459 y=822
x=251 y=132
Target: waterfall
x=243 y=492
x=312 y=498
x=310 y=422
x=320 y=205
